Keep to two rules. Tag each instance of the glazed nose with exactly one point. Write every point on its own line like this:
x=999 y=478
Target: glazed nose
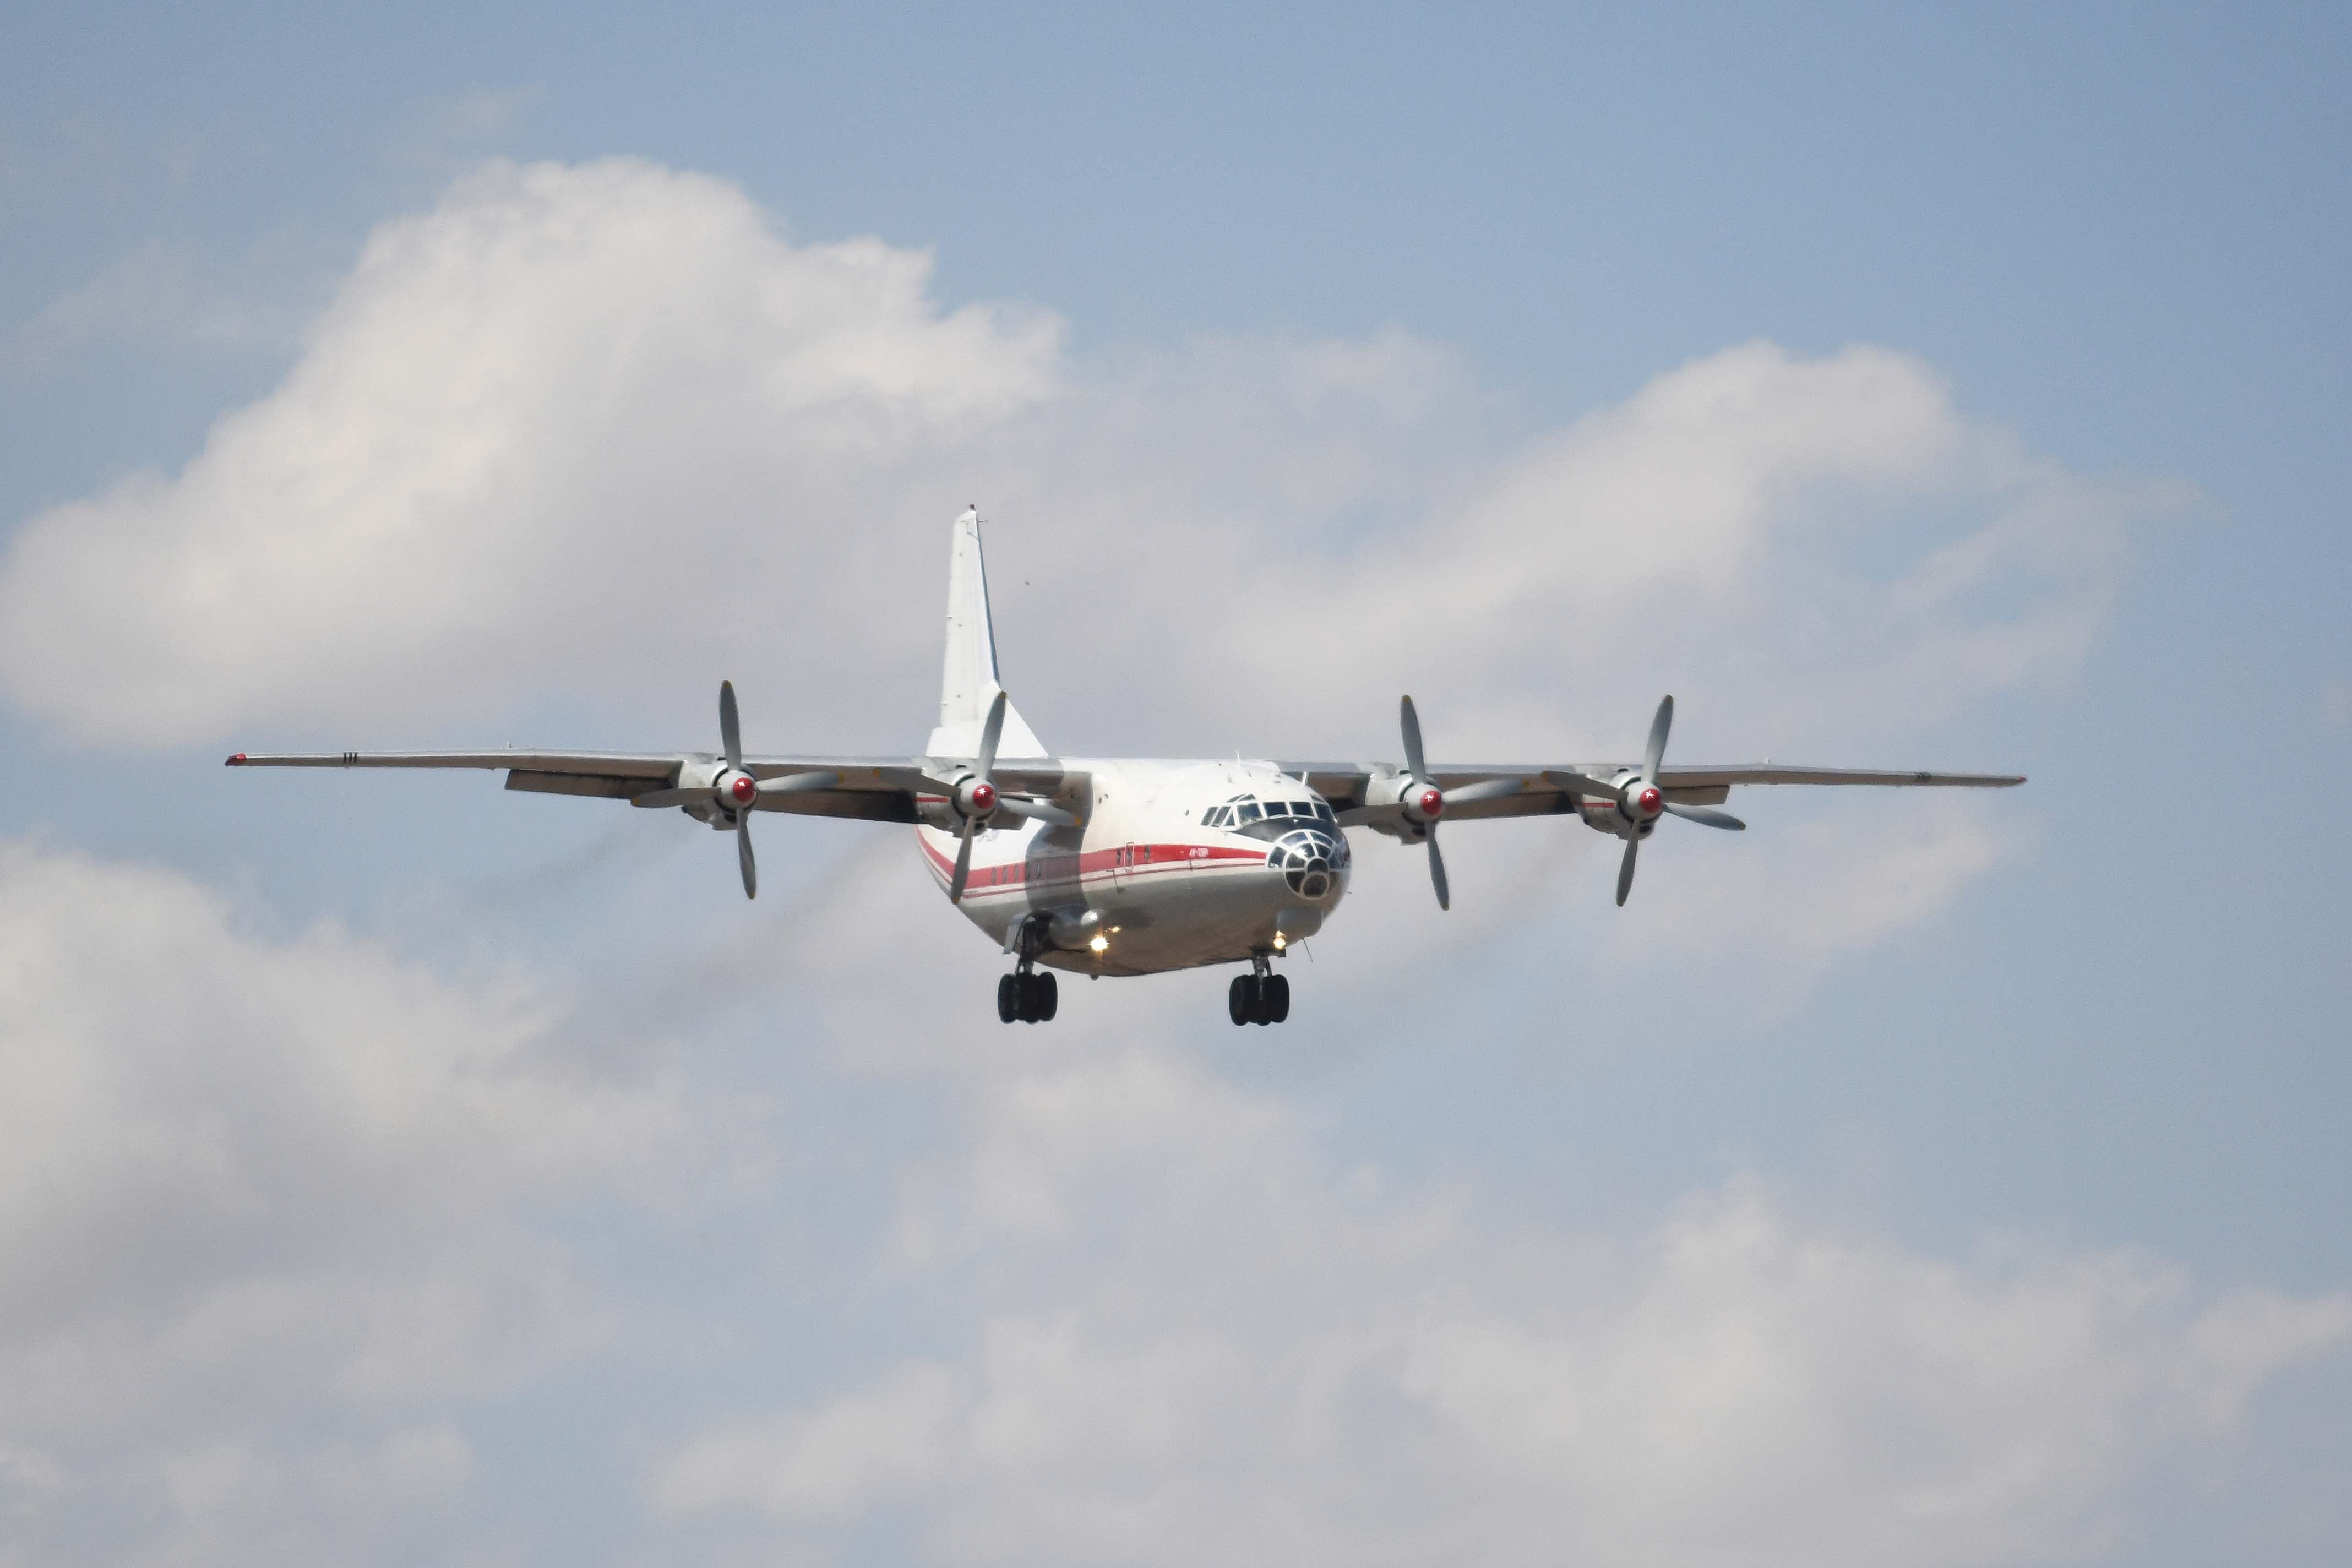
x=1313 y=865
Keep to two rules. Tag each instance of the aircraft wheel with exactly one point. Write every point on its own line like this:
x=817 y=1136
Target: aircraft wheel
x=1277 y=998
x=1241 y=1001
x=1008 y=997
x=1049 y=998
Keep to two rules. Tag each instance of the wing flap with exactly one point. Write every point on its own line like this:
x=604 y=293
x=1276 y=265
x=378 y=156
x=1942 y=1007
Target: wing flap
x=865 y=806
x=602 y=785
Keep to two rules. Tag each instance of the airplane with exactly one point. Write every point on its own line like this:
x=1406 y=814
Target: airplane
x=1121 y=866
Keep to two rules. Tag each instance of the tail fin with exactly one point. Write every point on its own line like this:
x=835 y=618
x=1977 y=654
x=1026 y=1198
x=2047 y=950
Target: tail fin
x=968 y=684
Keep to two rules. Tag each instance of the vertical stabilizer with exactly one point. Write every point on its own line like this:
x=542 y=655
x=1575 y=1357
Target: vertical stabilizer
x=967 y=682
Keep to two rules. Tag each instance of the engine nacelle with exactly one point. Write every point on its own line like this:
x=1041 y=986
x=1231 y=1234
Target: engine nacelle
x=701 y=773
x=937 y=810
x=1607 y=816
x=1389 y=789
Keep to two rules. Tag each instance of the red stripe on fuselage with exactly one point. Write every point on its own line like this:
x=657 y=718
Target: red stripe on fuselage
x=1087 y=865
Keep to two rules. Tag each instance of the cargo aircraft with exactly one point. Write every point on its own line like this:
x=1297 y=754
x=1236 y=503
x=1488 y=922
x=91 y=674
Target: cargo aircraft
x=1122 y=866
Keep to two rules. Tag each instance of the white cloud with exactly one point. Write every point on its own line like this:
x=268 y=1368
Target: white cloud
x=259 y=1188
x=156 y=292
x=1189 y=1337
x=832 y=1461
x=1837 y=877
x=293 y=1229
x=539 y=425
x=601 y=432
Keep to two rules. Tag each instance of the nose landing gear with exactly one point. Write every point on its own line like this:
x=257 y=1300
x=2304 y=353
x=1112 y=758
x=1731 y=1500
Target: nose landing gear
x=1261 y=997
x=1025 y=995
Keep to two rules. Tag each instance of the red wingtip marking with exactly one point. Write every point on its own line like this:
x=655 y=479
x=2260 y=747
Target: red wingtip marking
x=235 y=761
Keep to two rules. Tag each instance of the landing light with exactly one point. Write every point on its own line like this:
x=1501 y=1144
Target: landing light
x=1100 y=944
x=1279 y=942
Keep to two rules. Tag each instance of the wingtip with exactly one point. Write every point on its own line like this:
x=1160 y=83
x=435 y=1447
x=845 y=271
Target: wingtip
x=235 y=761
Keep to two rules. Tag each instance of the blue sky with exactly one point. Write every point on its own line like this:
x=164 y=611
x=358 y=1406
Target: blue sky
x=1420 y=301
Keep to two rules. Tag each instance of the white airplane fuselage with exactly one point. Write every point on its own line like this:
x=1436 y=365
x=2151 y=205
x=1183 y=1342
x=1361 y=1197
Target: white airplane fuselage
x=1145 y=884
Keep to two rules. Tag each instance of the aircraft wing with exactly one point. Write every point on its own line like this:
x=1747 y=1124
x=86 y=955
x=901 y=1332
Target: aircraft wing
x=1547 y=788
x=879 y=789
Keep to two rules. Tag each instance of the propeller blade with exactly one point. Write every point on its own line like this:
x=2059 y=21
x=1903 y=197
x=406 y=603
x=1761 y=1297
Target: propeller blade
x=1357 y=815
x=1625 y=870
x=1437 y=871
x=1036 y=810
x=1582 y=785
x=963 y=862
x=731 y=729
x=743 y=854
x=1706 y=818
x=989 y=735
x=1485 y=789
x=1410 y=723
x=669 y=797
x=1657 y=752
x=793 y=784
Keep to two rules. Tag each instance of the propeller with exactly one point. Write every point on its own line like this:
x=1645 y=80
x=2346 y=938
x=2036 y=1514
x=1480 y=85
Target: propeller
x=1640 y=800
x=1421 y=802
x=733 y=791
x=976 y=798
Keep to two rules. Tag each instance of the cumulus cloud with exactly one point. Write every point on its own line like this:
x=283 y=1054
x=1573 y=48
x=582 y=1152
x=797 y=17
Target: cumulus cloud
x=298 y=1228
x=274 y=1204
x=475 y=462
x=1187 y=1336
x=604 y=431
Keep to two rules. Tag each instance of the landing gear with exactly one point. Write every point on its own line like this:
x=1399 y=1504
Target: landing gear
x=1260 y=996
x=1027 y=998
x=1026 y=995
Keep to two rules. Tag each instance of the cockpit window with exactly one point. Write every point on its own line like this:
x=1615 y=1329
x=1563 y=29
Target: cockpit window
x=1242 y=809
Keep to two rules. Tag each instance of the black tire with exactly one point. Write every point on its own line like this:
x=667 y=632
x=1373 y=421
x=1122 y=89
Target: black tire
x=1049 y=998
x=1028 y=1002
x=1277 y=998
x=1008 y=997
x=1241 y=1001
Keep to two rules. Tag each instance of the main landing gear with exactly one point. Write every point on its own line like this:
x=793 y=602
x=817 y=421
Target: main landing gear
x=1261 y=997
x=1027 y=998
x=1026 y=995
